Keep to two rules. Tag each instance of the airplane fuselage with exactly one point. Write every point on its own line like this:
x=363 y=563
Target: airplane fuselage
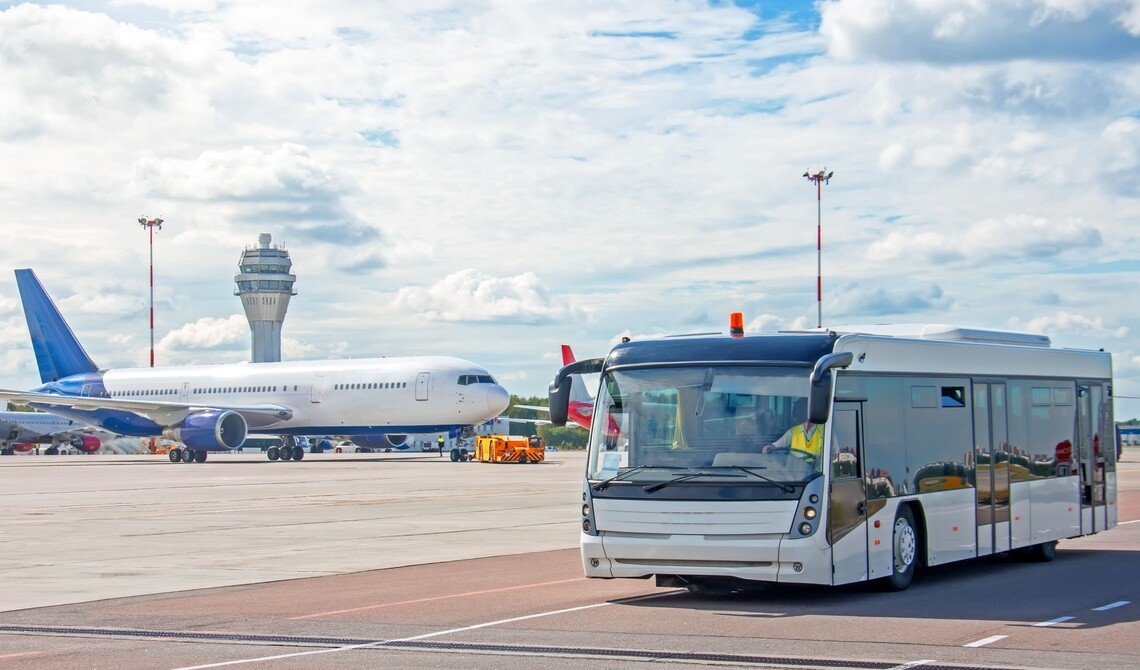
x=340 y=397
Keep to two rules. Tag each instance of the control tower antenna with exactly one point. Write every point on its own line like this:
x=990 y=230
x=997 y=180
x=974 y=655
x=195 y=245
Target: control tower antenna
x=264 y=284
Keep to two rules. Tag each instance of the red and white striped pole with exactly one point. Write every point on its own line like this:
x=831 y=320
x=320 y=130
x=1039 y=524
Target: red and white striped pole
x=820 y=178
x=150 y=225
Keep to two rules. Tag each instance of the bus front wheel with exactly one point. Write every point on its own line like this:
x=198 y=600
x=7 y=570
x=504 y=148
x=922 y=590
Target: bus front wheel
x=904 y=550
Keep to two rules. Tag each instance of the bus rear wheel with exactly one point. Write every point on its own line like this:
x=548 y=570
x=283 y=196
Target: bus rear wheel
x=904 y=551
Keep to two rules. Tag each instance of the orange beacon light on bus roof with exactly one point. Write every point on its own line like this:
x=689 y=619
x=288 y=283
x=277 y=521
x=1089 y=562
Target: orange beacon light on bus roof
x=736 y=324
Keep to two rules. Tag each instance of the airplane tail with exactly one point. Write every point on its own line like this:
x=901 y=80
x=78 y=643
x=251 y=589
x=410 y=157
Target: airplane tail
x=58 y=352
x=578 y=390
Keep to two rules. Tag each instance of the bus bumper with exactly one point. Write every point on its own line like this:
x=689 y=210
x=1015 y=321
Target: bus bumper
x=771 y=558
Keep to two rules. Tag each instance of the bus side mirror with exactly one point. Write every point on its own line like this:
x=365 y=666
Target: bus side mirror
x=559 y=393
x=559 y=400
x=819 y=389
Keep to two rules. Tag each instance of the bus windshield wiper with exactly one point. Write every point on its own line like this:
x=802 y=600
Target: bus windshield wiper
x=602 y=485
x=785 y=487
x=684 y=478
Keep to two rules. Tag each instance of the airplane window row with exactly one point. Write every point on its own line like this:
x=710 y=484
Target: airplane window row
x=217 y=389
x=467 y=380
x=370 y=385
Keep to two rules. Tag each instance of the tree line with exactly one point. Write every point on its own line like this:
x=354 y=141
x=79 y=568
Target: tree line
x=560 y=437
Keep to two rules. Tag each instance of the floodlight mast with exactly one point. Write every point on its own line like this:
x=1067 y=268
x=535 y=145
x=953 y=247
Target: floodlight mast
x=150 y=225
x=820 y=178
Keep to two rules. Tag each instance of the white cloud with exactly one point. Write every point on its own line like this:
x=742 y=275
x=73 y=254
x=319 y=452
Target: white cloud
x=288 y=173
x=472 y=295
x=208 y=334
x=950 y=30
x=1066 y=322
x=1015 y=237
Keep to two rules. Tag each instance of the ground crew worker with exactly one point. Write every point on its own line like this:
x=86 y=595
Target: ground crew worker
x=440 y=442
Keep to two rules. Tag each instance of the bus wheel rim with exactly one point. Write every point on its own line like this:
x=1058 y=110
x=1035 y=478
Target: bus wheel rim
x=904 y=545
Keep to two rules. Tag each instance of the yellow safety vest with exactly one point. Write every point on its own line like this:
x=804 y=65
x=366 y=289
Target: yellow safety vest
x=813 y=444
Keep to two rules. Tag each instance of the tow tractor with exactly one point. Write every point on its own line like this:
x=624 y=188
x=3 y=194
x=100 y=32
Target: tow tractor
x=503 y=449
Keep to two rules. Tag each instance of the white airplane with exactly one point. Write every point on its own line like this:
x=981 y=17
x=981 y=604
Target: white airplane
x=213 y=407
x=21 y=432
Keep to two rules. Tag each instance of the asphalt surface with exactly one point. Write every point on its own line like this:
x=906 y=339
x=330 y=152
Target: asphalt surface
x=410 y=561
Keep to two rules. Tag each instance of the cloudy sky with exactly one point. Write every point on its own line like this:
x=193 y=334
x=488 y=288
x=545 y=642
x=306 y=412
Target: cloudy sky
x=491 y=178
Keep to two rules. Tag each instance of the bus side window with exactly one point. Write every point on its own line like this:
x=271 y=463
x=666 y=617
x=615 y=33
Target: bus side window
x=845 y=431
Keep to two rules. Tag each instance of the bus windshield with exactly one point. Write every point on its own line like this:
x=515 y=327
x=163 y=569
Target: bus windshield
x=656 y=424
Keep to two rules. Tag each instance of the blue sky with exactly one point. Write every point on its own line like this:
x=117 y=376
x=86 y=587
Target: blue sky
x=490 y=180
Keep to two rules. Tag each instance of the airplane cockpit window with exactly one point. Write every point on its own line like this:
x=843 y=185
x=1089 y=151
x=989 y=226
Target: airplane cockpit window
x=467 y=380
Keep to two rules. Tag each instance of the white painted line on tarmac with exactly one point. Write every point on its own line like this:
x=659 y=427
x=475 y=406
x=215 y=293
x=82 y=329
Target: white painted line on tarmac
x=433 y=598
x=912 y=664
x=1060 y=619
x=1125 y=523
x=984 y=641
x=1111 y=606
x=380 y=643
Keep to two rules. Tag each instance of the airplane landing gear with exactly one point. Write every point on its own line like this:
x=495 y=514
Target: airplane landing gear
x=175 y=455
x=285 y=453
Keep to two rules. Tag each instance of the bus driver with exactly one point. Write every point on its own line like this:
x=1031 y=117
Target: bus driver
x=803 y=437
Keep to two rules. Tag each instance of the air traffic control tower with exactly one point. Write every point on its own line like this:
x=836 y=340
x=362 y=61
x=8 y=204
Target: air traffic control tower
x=265 y=285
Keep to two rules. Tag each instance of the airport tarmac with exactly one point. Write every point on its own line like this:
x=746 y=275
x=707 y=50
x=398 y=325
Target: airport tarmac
x=412 y=561
x=94 y=527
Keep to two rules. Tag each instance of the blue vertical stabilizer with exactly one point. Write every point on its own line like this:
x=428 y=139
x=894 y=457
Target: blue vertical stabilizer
x=58 y=352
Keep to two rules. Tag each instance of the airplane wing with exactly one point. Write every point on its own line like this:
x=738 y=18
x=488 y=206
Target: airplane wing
x=162 y=413
x=537 y=408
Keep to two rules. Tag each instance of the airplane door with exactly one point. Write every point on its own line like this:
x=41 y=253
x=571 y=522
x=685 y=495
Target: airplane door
x=185 y=395
x=847 y=504
x=423 y=380
x=317 y=391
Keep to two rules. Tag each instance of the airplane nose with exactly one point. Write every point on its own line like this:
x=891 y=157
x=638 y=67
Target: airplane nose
x=497 y=399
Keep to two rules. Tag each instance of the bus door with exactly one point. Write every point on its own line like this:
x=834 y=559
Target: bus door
x=991 y=468
x=847 y=499
x=1091 y=456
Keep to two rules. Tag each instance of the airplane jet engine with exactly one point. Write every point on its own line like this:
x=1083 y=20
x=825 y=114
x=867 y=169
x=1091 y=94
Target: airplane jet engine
x=386 y=441
x=87 y=444
x=210 y=430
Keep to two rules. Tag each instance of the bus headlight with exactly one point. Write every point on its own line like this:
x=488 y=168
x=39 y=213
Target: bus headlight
x=809 y=512
x=586 y=510
x=805 y=528
x=586 y=525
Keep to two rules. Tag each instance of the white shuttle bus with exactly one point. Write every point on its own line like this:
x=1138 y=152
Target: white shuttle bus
x=936 y=444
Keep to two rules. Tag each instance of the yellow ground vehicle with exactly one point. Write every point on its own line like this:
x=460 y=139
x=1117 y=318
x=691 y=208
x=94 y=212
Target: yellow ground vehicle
x=509 y=449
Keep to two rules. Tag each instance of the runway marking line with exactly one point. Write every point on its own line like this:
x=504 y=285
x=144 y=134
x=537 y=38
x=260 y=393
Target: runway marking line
x=22 y=654
x=1060 y=619
x=1122 y=523
x=1111 y=606
x=433 y=598
x=380 y=643
x=984 y=641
